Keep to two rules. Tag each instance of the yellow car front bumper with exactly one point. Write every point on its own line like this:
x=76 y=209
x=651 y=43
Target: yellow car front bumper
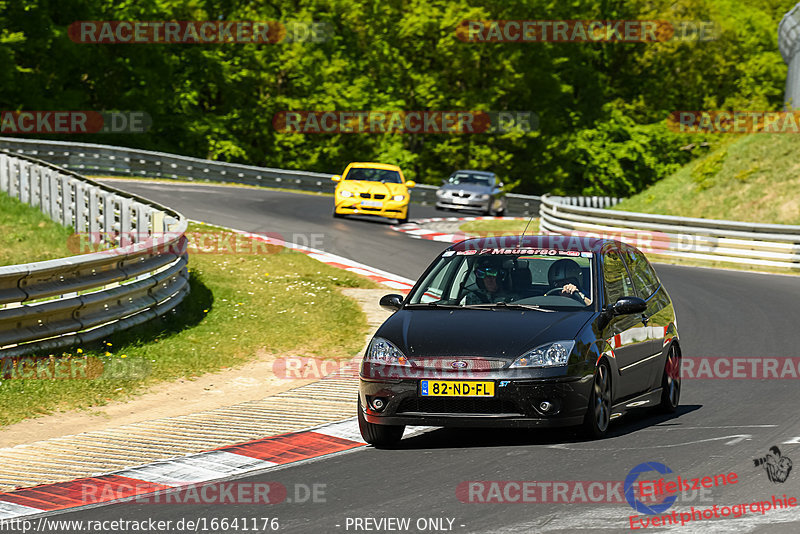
x=390 y=209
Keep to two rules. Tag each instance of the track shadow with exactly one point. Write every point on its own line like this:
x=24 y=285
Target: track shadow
x=460 y=438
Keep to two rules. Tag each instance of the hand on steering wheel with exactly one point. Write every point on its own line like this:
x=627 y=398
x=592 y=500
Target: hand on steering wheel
x=569 y=290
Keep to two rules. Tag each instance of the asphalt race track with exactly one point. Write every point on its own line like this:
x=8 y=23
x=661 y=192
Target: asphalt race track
x=721 y=427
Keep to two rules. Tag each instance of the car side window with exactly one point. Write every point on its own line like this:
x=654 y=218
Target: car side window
x=643 y=274
x=615 y=276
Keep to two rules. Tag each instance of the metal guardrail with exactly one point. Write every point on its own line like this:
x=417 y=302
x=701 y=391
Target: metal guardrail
x=119 y=161
x=57 y=303
x=770 y=245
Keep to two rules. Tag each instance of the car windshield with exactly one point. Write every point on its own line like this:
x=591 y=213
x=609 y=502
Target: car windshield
x=513 y=278
x=374 y=175
x=469 y=178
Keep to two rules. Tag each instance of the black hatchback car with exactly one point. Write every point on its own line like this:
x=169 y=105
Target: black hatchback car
x=531 y=331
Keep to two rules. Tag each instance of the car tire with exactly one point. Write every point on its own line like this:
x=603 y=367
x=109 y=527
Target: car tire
x=337 y=215
x=379 y=436
x=671 y=382
x=598 y=413
x=404 y=220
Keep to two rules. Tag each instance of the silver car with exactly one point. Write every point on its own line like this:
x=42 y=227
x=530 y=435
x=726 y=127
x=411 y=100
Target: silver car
x=472 y=190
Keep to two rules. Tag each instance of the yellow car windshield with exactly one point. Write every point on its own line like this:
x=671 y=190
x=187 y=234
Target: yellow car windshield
x=374 y=175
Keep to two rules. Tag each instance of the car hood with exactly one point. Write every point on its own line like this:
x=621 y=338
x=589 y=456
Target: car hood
x=471 y=188
x=496 y=333
x=358 y=186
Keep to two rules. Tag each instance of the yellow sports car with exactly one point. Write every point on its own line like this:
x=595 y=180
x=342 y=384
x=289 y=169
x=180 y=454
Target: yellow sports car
x=372 y=189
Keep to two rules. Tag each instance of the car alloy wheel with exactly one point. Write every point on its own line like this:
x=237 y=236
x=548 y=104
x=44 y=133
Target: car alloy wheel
x=671 y=382
x=598 y=416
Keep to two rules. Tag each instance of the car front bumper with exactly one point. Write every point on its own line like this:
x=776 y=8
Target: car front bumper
x=448 y=203
x=389 y=208
x=516 y=403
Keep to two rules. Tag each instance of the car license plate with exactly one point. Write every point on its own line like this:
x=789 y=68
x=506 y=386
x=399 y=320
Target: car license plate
x=460 y=201
x=372 y=203
x=452 y=388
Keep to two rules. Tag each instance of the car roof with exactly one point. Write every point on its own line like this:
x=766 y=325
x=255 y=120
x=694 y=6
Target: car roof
x=369 y=165
x=487 y=173
x=550 y=242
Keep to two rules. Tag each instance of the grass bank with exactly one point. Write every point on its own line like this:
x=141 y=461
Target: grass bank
x=27 y=235
x=500 y=227
x=752 y=178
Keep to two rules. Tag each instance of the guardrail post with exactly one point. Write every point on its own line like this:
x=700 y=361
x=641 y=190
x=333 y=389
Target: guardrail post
x=94 y=211
x=24 y=182
x=157 y=222
x=5 y=162
x=109 y=217
x=54 y=186
x=81 y=208
x=67 y=204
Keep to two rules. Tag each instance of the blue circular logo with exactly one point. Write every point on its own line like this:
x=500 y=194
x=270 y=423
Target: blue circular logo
x=630 y=484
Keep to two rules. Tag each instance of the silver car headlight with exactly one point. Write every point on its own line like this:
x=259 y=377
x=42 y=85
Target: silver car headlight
x=345 y=194
x=440 y=193
x=548 y=355
x=485 y=197
x=383 y=352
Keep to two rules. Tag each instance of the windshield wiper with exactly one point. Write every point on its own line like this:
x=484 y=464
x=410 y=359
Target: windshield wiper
x=510 y=305
x=431 y=305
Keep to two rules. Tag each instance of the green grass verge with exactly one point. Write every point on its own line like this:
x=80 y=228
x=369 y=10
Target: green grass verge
x=500 y=227
x=240 y=306
x=753 y=178
x=27 y=235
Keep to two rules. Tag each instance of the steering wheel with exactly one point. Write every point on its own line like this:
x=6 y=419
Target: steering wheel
x=560 y=291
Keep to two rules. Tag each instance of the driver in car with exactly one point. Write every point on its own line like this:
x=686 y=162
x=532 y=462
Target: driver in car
x=489 y=277
x=566 y=274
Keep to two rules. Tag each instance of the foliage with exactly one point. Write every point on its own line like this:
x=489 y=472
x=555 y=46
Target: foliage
x=601 y=105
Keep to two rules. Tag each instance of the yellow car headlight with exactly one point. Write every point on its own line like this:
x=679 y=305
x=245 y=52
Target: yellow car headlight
x=398 y=198
x=345 y=194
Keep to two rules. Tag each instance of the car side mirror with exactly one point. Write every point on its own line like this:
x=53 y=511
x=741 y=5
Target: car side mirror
x=628 y=306
x=501 y=185
x=336 y=178
x=391 y=302
x=411 y=183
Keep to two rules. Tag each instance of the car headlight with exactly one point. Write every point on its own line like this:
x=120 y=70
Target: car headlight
x=345 y=194
x=439 y=193
x=547 y=355
x=398 y=198
x=383 y=352
x=484 y=197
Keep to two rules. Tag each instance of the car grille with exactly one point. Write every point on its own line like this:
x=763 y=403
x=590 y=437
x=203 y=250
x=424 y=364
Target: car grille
x=461 y=194
x=458 y=405
x=377 y=196
x=365 y=195
x=469 y=364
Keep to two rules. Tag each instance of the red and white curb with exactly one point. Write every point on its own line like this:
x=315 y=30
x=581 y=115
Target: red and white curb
x=225 y=463
x=377 y=275
x=415 y=230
